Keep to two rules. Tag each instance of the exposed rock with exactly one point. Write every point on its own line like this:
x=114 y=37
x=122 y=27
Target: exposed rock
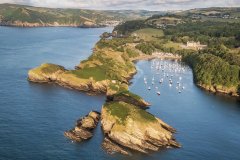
x=84 y=127
x=136 y=129
x=111 y=147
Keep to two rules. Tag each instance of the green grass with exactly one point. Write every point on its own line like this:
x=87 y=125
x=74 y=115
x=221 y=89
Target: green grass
x=145 y=116
x=124 y=110
x=129 y=94
x=96 y=73
x=50 y=68
x=119 y=110
x=149 y=34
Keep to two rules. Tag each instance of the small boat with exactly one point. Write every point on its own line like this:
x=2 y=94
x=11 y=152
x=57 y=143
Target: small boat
x=158 y=93
x=149 y=88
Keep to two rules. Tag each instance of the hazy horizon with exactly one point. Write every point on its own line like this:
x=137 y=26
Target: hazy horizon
x=157 y=5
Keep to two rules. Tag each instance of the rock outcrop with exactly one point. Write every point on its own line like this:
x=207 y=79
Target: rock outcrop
x=134 y=128
x=84 y=127
x=111 y=147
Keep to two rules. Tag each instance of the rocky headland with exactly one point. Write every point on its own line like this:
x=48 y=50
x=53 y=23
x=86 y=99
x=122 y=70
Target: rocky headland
x=126 y=124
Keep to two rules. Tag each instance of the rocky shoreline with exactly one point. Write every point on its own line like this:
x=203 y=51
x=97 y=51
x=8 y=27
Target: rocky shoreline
x=216 y=90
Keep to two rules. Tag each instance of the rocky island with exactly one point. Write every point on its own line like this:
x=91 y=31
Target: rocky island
x=84 y=126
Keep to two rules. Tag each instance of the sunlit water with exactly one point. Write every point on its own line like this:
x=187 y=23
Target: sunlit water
x=33 y=117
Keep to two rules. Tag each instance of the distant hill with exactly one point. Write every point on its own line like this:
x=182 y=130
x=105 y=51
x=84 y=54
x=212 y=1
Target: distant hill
x=28 y=16
x=223 y=14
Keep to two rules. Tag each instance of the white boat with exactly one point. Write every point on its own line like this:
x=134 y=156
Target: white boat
x=158 y=93
x=149 y=88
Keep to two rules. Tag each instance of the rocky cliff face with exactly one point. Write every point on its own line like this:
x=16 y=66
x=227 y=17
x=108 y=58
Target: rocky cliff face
x=131 y=127
x=84 y=126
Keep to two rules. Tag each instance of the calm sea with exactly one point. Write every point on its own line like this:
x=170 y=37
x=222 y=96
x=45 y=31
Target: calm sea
x=33 y=117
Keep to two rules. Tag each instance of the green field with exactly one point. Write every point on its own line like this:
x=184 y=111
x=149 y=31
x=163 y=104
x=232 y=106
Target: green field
x=96 y=73
x=148 y=34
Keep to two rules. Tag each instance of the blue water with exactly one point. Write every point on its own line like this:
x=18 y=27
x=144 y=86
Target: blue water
x=33 y=117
